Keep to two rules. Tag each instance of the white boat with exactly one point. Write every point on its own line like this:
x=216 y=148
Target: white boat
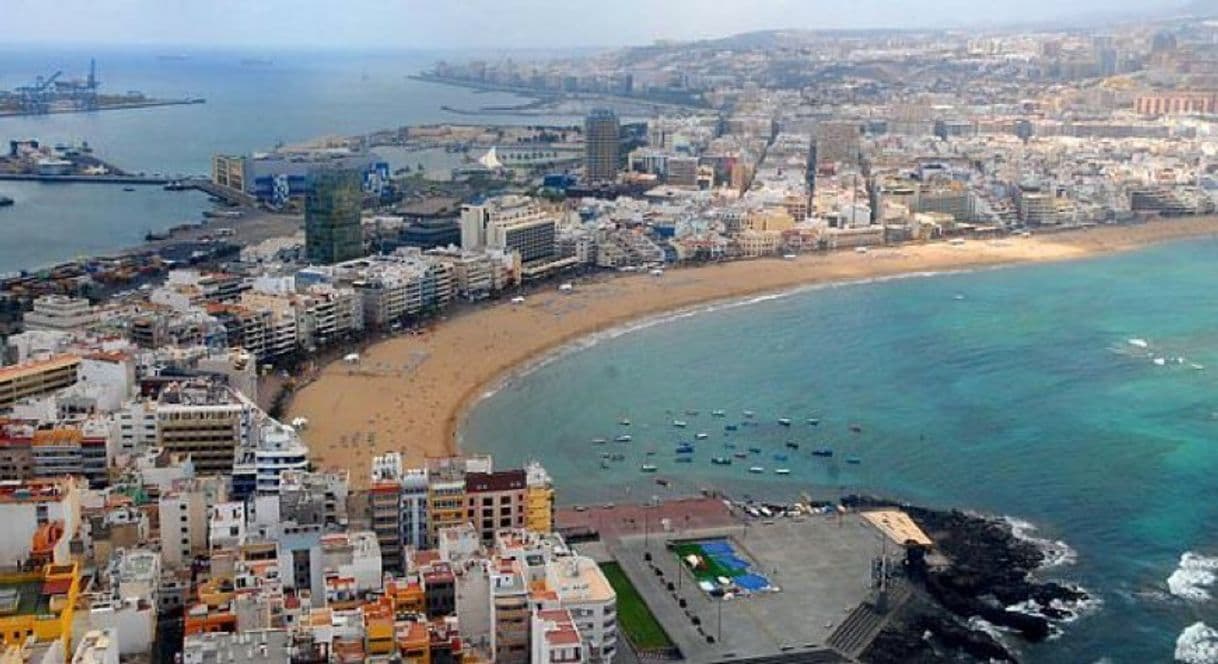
x=518 y=300
x=599 y=441
x=647 y=468
x=624 y=438
x=701 y=436
x=785 y=421
x=749 y=413
x=624 y=422
x=566 y=287
x=756 y=469
x=718 y=413
x=782 y=471
x=680 y=424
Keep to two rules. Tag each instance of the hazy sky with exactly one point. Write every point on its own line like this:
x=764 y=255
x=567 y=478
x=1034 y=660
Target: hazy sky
x=492 y=23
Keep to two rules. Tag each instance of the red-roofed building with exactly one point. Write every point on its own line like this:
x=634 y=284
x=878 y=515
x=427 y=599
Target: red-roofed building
x=556 y=639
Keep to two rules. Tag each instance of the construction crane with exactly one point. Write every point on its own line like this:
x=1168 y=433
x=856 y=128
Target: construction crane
x=35 y=97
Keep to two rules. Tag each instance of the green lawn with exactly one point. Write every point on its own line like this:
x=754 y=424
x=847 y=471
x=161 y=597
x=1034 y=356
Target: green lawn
x=712 y=571
x=633 y=616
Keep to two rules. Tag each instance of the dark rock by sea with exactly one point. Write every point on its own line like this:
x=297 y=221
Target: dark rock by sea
x=981 y=569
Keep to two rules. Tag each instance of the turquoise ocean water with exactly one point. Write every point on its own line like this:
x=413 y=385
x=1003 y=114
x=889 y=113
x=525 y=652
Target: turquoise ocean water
x=1013 y=391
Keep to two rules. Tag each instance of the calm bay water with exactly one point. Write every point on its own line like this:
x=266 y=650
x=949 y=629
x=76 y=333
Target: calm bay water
x=1013 y=391
x=288 y=98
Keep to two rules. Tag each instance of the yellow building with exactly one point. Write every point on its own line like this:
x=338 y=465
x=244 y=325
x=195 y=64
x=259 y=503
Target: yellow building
x=538 y=499
x=33 y=379
x=772 y=219
x=39 y=604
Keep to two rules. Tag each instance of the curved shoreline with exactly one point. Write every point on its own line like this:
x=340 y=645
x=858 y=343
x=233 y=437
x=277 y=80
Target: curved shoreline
x=583 y=341
x=452 y=367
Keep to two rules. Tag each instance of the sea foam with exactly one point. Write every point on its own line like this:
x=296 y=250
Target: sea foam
x=1193 y=576
x=1197 y=644
x=1056 y=552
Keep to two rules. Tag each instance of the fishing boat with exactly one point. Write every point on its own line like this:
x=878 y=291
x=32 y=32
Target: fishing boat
x=599 y=441
x=718 y=413
x=784 y=421
x=792 y=445
x=782 y=471
x=624 y=438
x=756 y=469
x=755 y=450
x=680 y=424
x=730 y=427
x=854 y=461
x=780 y=457
x=701 y=436
x=813 y=421
x=648 y=468
x=822 y=452
x=721 y=461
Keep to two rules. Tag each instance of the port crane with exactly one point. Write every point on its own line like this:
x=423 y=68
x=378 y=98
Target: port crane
x=36 y=98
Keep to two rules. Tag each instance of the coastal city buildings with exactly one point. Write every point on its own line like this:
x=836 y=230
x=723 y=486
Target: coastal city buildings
x=152 y=484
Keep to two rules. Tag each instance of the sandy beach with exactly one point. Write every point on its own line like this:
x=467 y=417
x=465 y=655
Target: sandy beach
x=409 y=393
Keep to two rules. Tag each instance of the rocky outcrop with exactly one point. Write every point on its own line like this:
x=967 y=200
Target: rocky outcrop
x=989 y=570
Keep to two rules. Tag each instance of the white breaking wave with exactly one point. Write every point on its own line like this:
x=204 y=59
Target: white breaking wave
x=1197 y=644
x=1056 y=552
x=1194 y=575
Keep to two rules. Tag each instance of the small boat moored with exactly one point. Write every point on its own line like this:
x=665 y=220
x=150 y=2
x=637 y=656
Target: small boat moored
x=624 y=422
x=647 y=468
x=782 y=471
x=701 y=436
x=813 y=421
x=784 y=421
x=755 y=450
x=599 y=441
x=730 y=427
x=718 y=413
x=756 y=469
x=624 y=438
x=749 y=413
x=792 y=445
x=721 y=461
x=822 y=452
x=680 y=424
x=854 y=461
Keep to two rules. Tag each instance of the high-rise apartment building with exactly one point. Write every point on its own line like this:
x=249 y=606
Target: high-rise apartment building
x=332 y=217
x=601 y=146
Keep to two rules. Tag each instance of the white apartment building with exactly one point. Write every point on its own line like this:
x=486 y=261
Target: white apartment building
x=60 y=312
